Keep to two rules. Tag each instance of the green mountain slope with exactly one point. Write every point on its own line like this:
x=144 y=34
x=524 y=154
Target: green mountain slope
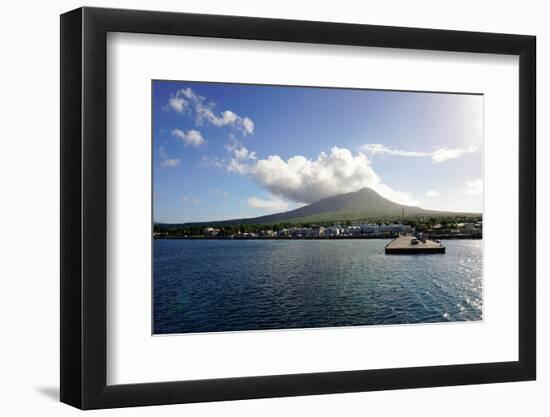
x=365 y=204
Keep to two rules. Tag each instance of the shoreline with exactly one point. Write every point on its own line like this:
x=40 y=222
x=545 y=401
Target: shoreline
x=443 y=237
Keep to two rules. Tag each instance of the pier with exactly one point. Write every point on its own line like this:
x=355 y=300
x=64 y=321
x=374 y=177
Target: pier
x=411 y=245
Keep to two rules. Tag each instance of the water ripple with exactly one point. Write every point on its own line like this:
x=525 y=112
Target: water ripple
x=205 y=286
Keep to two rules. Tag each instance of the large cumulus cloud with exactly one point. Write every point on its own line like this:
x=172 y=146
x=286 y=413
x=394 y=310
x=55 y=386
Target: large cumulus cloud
x=306 y=180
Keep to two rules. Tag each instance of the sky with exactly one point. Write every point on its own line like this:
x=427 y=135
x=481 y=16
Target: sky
x=224 y=151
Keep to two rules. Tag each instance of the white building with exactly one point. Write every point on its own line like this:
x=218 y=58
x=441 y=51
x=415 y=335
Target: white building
x=333 y=231
x=316 y=231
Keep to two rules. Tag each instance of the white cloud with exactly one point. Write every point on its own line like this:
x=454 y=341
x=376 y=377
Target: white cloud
x=305 y=180
x=187 y=101
x=243 y=154
x=212 y=162
x=444 y=154
x=178 y=104
x=237 y=166
x=191 y=137
x=239 y=151
x=162 y=152
x=169 y=163
x=190 y=200
x=438 y=155
x=247 y=125
x=379 y=149
x=432 y=193
x=474 y=187
x=274 y=204
x=194 y=137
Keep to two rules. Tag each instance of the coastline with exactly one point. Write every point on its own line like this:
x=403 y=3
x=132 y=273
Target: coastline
x=444 y=237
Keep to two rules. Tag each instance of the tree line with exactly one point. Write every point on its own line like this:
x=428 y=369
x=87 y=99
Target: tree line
x=420 y=223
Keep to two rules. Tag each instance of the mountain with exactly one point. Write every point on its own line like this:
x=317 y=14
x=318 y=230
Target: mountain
x=365 y=204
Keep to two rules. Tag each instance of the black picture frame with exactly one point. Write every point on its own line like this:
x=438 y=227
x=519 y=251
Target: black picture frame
x=84 y=207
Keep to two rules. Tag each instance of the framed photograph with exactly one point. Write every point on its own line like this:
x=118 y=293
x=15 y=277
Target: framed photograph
x=255 y=208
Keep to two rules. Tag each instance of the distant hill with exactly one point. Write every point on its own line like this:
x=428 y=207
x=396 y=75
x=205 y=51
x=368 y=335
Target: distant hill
x=360 y=205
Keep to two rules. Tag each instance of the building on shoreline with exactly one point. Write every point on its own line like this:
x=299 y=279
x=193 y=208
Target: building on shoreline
x=444 y=230
x=336 y=230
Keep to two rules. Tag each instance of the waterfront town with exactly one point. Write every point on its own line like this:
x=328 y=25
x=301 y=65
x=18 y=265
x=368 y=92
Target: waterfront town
x=471 y=229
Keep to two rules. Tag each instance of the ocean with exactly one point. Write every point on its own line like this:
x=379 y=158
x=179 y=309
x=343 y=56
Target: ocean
x=237 y=285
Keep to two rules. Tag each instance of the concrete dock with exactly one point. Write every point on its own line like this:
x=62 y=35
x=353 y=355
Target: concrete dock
x=406 y=245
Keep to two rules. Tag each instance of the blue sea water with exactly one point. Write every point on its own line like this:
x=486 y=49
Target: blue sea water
x=231 y=285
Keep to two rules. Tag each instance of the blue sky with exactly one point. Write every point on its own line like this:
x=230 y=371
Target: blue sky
x=225 y=151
